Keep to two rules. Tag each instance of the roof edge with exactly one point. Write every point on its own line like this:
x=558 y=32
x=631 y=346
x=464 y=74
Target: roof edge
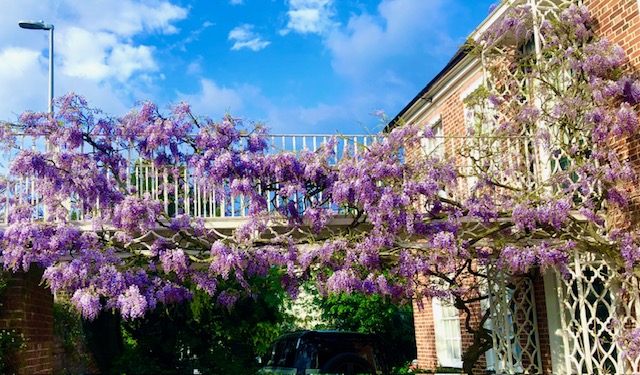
x=457 y=58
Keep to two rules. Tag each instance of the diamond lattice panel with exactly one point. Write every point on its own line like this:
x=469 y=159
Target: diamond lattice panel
x=592 y=303
x=514 y=325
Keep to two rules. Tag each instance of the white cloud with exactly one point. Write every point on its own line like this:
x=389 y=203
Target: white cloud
x=125 y=60
x=307 y=119
x=195 y=67
x=84 y=54
x=24 y=82
x=236 y=2
x=17 y=62
x=99 y=56
x=244 y=37
x=12 y=12
x=309 y=16
x=113 y=98
x=99 y=45
x=398 y=29
x=128 y=18
x=213 y=100
x=98 y=52
x=193 y=35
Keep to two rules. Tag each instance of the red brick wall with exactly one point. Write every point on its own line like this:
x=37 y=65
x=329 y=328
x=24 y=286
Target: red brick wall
x=27 y=307
x=467 y=338
x=543 y=323
x=425 y=335
x=451 y=111
x=619 y=21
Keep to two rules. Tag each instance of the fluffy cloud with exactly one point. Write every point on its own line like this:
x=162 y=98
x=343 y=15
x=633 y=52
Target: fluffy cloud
x=100 y=56
x=128 y=18
x=236 y=2
x=212 y=100
x=100 y=47
x=309 y=16
x=21 y=68
x=399 y=29
x=17 y=62
x=244 y=37
x=97 y=51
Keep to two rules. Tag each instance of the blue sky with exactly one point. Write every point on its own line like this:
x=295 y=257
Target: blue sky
x=300 y=66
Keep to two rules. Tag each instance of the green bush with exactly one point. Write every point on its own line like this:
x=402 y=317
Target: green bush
x=204 y=335
x=68 y=329
x=374 y=314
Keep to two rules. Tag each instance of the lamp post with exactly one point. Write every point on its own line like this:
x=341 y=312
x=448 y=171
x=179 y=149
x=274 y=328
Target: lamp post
x=40 y=25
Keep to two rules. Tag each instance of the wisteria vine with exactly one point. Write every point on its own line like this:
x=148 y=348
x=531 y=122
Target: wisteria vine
x=385 y=218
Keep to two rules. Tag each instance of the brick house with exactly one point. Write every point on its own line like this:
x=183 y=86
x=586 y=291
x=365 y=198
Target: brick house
x=540 y=320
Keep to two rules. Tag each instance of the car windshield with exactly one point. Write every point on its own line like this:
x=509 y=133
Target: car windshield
x=283 y=353
x=328 y=347
x=313 y=350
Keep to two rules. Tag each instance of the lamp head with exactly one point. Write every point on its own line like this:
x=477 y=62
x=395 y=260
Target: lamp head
x=34 y=25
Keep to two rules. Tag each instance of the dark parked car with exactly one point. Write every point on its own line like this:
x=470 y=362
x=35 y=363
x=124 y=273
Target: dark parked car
x=325 y=352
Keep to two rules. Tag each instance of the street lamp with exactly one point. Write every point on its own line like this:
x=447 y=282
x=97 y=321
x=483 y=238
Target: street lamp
x=40 y=25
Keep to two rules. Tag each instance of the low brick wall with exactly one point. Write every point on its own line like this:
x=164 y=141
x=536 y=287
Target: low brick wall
x=27 y=307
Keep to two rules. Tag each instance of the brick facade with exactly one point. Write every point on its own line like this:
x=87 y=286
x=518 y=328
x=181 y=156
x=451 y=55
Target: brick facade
x=425 y=335
x=450 y=110
x=618 y=21
x=27 y=307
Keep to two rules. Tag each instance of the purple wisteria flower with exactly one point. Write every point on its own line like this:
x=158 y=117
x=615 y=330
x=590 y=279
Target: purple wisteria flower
x=630 y=341
x=372 y=217
x=518 y=260
x=136 y=215
x=175 y=261
x=88 y=302
x=132 y=303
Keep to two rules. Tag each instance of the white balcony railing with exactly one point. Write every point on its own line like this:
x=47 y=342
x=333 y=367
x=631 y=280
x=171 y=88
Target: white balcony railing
x=184 y=195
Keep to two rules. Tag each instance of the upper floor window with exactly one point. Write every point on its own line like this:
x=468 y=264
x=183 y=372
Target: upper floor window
x=434 y=146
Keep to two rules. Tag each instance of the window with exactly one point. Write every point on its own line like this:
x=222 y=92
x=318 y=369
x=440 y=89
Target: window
x=447 y=328
x=474 y=121
x=434 y=146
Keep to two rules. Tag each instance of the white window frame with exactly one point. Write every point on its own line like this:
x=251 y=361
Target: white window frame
x=434 y=145
x=446 y=321
x=470 y=121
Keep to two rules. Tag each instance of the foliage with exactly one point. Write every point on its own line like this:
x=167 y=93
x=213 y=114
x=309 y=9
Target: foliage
x=203 y=335
x=10 y=343
x=68 y=328
x=105 y=339
x=393 y=322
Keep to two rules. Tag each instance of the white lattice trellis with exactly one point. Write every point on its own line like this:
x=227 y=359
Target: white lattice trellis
x=595 y=305
x=514 y=324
